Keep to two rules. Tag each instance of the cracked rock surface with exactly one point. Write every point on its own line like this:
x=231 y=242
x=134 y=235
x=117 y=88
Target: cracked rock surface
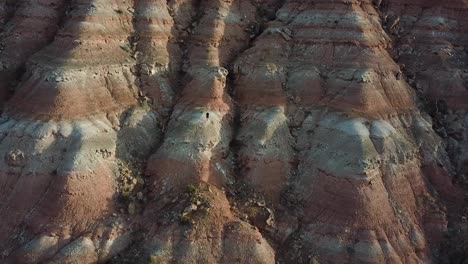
x=233 y=131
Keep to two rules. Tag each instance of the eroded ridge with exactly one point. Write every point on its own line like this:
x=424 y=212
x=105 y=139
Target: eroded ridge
x=266 y=131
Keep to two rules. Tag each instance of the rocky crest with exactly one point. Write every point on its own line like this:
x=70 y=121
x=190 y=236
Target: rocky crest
x=233 y=131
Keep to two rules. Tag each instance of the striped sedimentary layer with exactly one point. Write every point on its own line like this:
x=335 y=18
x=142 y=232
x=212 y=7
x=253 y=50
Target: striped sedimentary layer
x=63 y=128
x=431 y=41
x=229 y=131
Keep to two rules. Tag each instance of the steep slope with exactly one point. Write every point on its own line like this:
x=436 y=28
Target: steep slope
x=233 y=131
x=431 y=40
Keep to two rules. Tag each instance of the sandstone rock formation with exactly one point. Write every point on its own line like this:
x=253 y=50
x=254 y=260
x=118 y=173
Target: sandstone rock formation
x=233 y=131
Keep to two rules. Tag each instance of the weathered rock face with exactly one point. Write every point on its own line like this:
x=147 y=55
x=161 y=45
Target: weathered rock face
x=233 y=131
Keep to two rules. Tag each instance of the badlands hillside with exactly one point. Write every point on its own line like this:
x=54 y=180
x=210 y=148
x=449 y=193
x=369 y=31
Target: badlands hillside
x=233 y=131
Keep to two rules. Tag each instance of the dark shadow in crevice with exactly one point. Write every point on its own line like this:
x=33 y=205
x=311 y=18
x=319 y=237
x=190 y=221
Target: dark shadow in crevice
x=25 y=35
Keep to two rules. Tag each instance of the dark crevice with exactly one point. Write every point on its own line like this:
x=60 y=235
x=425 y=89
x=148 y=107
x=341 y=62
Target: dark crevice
x=241 y=191
x=185 y=41
x=64 y=10
x=455 y=246
x=13 y=75
x=291 y=201
x=235 y=144
x=181 y=76
x=132 y=163
x=176 y=77
x=10 y=9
